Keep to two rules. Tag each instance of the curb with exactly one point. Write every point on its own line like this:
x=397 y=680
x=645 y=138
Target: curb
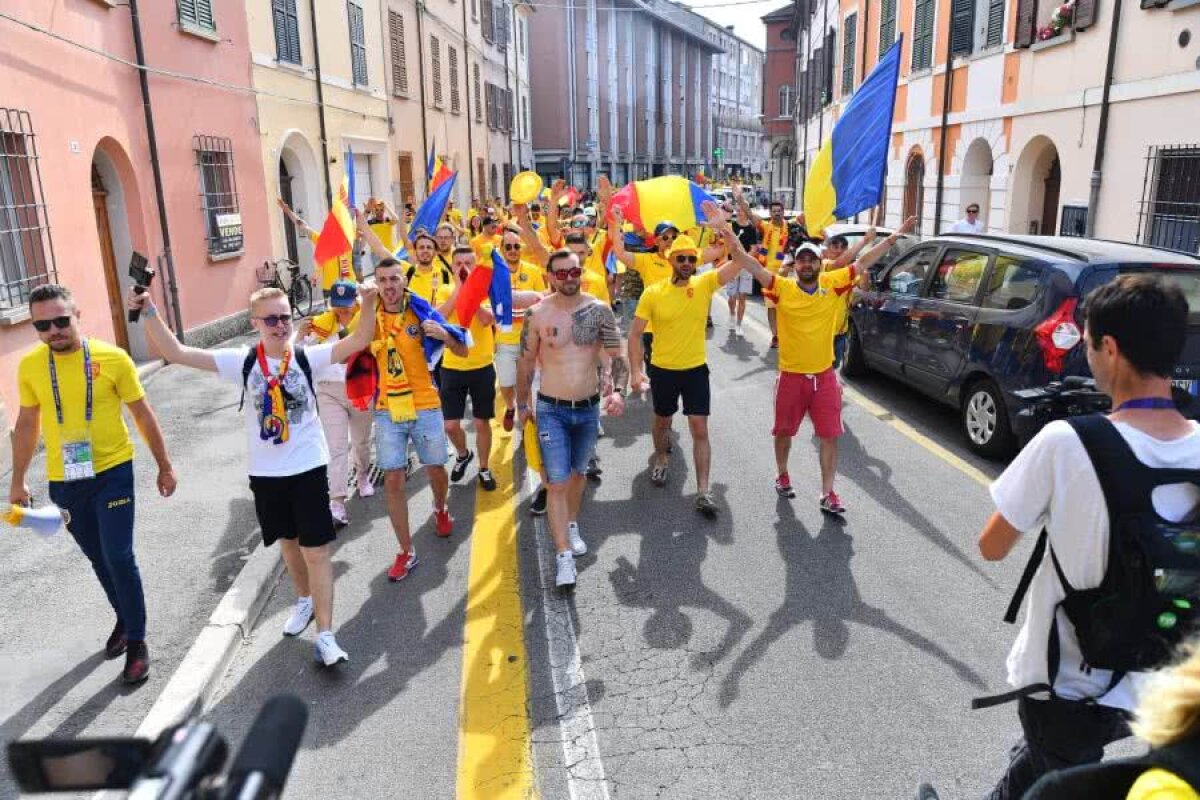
x=196 y=678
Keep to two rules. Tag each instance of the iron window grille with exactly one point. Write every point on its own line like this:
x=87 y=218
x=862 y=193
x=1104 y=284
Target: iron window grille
x=26 y=247
x=1169 y=214
x=218 y=194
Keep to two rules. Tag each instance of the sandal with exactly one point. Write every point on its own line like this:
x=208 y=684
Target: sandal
x=658 y=475
x=705 y=504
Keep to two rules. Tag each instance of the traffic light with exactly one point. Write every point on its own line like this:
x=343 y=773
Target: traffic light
x=718 y=152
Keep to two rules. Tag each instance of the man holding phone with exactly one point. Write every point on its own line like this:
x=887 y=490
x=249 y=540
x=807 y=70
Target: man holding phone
x=72 y=389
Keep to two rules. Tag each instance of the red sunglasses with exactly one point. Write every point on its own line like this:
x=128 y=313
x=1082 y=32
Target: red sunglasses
x=563 y=274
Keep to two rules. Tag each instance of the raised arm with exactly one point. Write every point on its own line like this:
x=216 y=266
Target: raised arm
x=529 y=236
x=364 y=333
x=552 y=226
x=848 y=257
x=300 y=224
x=868 y=259
x=378 y=248
x=618 y=240
x=743 y=208
x=163 y=341
x=397 y=220
x=740 y=259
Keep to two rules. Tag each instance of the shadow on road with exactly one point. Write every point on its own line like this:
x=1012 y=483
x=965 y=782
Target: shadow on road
x=820 y=586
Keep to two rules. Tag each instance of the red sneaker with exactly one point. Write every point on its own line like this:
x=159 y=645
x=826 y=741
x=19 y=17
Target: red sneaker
x=832 y=504
x=783 y=486
x=137 y=663
x=509 y=418
x=443 y=521
x=402 y=566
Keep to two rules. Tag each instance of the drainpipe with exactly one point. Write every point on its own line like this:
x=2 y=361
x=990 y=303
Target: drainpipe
x=1102 y=134
x=312 y=19
x=152 y=139
x=470 y=120
x=510 y=48
x=946 y=91
x=421 y=61
x=572 y=90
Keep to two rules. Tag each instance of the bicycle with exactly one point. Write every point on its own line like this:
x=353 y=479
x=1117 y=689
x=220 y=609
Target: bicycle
x=299 y=288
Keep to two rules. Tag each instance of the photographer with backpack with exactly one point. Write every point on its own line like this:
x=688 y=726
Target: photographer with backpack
x=1114 y=577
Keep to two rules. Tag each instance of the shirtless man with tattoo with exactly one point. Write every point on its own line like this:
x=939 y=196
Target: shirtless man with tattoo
x=568 y=335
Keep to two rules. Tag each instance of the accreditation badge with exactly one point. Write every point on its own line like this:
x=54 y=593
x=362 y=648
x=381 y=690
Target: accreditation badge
x=77 y=461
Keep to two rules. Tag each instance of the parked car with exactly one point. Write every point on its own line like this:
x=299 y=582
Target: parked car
x=971 y=319
x=855 y=232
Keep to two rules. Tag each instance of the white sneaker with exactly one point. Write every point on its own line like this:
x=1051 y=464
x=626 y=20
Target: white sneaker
x=328 y=652
x=578 y=545
x=337 y=509
x=740 y=332
x=365 y=487
x=565 y=577
x=302 y=614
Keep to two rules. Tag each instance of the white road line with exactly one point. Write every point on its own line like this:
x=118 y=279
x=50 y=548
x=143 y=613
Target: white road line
x=581 y=749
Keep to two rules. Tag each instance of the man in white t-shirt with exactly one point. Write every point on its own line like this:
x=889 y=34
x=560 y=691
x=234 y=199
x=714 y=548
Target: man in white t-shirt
x=970 y=223
x=1136 y=327
x=288 y=454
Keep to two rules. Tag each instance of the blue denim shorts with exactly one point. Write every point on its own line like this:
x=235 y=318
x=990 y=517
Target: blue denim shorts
x=427 y=434
x=567 y=437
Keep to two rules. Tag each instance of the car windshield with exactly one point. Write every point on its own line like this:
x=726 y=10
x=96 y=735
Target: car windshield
x=1187 y=279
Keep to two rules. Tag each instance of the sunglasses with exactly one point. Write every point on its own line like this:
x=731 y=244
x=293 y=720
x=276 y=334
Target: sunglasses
x=578 y=223
x=564 y=274
x=685 y=259
x=972 y=210
x=272 y=320
x=43 y=325
x=667 y=237
x=512 y=247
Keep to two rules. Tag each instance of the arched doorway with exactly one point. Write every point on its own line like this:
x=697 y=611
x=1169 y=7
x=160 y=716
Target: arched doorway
x=914 y=189
x=1037 y=179
x=110 y=207
x=289 y=227
x=975 y=181
x=300 y=187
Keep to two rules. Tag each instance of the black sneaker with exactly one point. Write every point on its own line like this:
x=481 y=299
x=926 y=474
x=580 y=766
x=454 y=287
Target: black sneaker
x=116 y=644
x=460 y=466
x=538 y=506
x=486 y=480
x=137 y=663
x=593 y=470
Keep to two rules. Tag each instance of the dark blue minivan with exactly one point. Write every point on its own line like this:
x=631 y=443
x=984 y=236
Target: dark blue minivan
x=970 y=319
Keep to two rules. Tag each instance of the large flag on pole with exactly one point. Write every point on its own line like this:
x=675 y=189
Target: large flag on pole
x=847 y=175
x=337 y=234
x=429 y=162
x=430 y=214
x=440 y=173
x=350 y=177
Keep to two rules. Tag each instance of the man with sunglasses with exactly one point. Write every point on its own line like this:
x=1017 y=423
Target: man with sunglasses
x=971 y=223
x=287 y=453
x=525 y=277
x=678 y=308
x=72 y=390
x=569 y=335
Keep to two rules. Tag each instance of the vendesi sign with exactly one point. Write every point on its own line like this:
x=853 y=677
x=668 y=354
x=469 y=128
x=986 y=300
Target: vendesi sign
x=227 y=232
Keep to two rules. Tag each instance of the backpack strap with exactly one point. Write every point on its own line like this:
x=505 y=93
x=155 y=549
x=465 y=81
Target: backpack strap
x=1127 y=483
x=247 y=367
x=301 y=361
x=306 y=368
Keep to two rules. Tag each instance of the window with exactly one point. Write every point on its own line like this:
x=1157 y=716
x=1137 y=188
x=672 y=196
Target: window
x=435 y=57
x=922 y=43
x=508 y=110
x=521 y=37
x=480 y=176
x=1012 y=284
x=957 y=278
x=524 y=118
x=474 y=10
x=358 y=43
x=196 y=14
x=490 y=101
x=908 y=274
x=994 y=35
x=455 y=94
x=486 y=23
x=1170 y=207
x=785 y=101
x=218 y=191
x=399 y=57
x=962 y=26
x=407 y=188
x=287 y=31
x=849 y=40
x=26 y=250
x=478 y=100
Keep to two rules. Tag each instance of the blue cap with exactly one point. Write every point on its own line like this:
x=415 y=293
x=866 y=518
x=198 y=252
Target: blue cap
x=343 y=294
x=664 y=226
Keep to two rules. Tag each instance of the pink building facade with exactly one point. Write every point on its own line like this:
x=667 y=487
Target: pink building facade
x=77 y=192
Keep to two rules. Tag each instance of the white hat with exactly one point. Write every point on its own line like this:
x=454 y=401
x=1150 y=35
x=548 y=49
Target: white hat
x=809 y=247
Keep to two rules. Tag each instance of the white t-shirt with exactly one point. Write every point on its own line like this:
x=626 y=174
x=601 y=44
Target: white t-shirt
x=966 y=226
x=305 y=447
x=1052 y=484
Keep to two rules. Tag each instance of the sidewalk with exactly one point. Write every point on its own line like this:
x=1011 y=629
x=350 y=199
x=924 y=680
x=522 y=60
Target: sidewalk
x=190 y=548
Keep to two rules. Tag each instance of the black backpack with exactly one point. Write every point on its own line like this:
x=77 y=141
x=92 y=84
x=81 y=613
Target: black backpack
x=1149 y=598
x=1112 y=780
x=301 y=361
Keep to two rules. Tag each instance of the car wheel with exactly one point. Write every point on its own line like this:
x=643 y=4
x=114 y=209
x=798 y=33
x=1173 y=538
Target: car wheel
x=854 y=364
x=985 y=420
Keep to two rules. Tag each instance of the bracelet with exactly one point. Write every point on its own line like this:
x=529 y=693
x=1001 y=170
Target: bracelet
x=150 y=312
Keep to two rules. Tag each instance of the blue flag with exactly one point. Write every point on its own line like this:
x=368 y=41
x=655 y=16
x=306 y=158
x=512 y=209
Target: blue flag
x=430 y=214
x=350 y=176
x=610 y=263
x=434 y=347
x=429 y=163
x=501 y=291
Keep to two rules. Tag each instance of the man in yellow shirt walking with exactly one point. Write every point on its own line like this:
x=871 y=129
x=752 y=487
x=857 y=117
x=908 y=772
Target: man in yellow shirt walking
x=72 y=390
x=678 y=309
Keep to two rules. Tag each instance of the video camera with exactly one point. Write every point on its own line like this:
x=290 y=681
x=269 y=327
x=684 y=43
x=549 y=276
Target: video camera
x=142 y=276
x=183 y=764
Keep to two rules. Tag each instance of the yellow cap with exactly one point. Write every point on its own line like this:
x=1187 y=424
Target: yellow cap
x=683 y=244
x=525 y=187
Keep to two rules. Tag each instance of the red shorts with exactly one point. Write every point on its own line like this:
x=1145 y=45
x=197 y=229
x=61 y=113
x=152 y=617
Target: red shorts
x=819 y=396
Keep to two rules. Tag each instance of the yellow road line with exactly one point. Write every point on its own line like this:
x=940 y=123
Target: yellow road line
x=494 y=744
x=888 y=418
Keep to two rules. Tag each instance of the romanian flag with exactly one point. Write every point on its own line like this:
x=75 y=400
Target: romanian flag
x=430 y=214
x=670 y=198
x=439 y=173
x=434 y=347
x=847 y=174
x=477 y=286
x=429 y=162
x=337 y=235
x=500 y=291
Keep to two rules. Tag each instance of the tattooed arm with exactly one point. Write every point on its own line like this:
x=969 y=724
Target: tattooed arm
x=526 y=364
x=614 y=368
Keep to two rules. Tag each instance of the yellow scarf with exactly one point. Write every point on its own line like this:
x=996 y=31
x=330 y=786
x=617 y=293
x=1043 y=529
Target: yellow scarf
x=393 y=382
x=325 y=324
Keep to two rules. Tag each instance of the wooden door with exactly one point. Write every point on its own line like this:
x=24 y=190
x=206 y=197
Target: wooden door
x=116 y=304
x=1050 y=199
x=407 y=190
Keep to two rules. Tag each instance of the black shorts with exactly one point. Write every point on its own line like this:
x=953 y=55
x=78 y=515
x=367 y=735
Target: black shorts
x=294 y=507
x=647 y=349
x=480 y=384
x=668 y=385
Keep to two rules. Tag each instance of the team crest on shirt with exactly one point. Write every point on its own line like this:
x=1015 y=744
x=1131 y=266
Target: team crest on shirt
x=412 y=330
x=95 y=370
x=523 y=277
x=691 y=292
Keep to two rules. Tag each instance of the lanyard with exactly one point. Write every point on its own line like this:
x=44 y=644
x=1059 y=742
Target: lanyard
x=87 y=375
x=1147 y=402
